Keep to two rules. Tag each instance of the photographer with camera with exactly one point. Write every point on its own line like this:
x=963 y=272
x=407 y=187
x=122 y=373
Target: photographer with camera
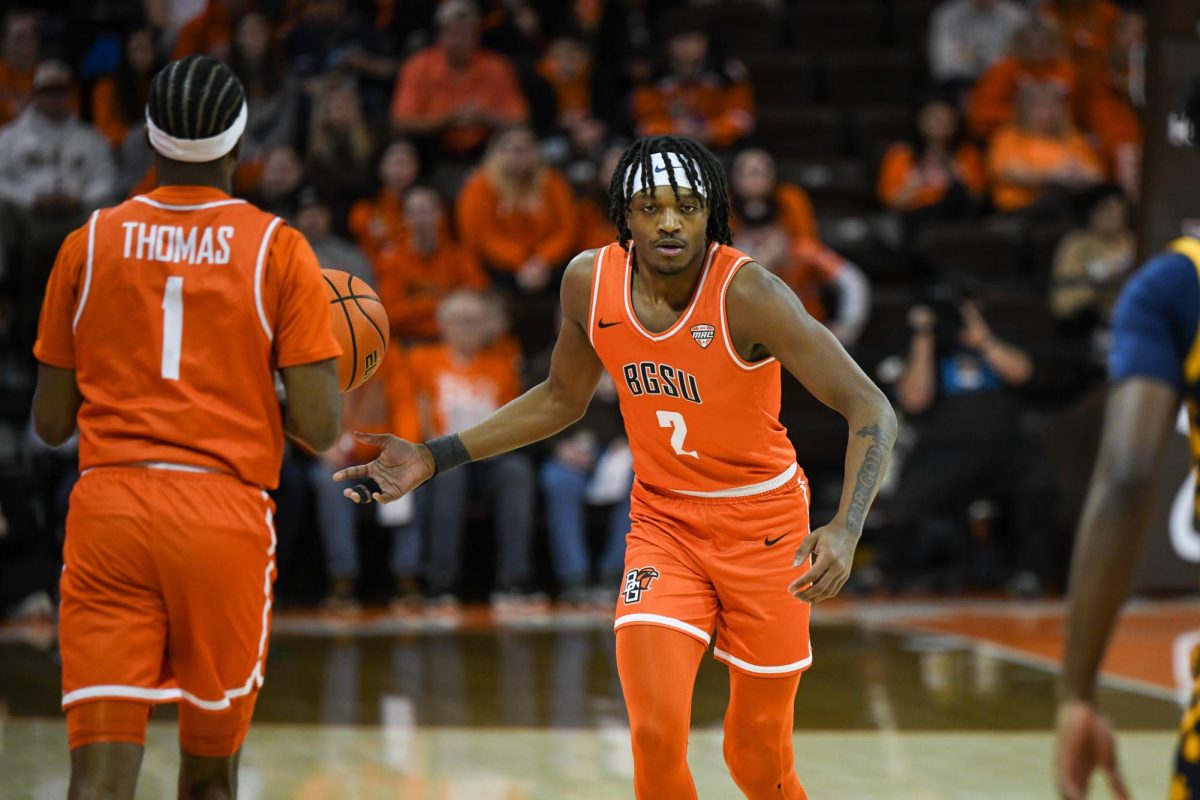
x=972 y=462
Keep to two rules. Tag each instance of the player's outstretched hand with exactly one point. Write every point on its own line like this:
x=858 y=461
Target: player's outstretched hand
x=401 y=467
x=1085 y=744
x=834 y=548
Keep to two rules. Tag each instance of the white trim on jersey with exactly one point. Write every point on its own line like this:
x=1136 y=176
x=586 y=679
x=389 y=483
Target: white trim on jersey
x=141 y=198
x=255 y=681
x=683 y=318
x=795 y=666
x=168 y=465
x=87 y=273
x=670 y=622
x=755 y=488
x=258 y=275
x=596 y=267
x=726 y=336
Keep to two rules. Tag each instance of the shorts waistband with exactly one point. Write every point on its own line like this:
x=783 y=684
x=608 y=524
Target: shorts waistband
x=788 y=480
x=169 y=471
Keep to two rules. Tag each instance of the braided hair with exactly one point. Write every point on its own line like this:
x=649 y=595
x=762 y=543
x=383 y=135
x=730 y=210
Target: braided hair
x=693 y=157
x=196 y=97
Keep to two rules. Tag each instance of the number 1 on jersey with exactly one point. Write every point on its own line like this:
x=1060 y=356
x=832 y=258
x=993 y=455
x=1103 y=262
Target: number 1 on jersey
x=674 y=420
x=172 y=305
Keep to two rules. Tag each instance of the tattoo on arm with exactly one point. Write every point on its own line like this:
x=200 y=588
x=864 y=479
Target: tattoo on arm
x=868 y=477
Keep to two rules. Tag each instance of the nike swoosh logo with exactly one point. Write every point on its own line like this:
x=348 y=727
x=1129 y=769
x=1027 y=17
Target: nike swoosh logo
x=768 y=541
x=604 y=324
x=660 y=169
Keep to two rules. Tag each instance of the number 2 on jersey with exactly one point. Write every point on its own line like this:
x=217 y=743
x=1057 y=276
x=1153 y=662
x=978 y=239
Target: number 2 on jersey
x=172 y=305
x=674 y=420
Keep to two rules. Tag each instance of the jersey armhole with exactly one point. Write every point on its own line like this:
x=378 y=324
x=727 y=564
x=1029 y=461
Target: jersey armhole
x=597 y=265
x=726 y=336
x=260 y=266
x=87 y=269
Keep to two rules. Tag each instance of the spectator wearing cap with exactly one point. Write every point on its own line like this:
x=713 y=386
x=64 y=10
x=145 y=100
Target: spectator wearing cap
x=1035 y=57
x=20 y=55
x=54 y=170
x=695 y=98
x=966 y=37
x=314 y=218
x=378 y=220
x=518 y=215
x=454 y=91
x=419 y=269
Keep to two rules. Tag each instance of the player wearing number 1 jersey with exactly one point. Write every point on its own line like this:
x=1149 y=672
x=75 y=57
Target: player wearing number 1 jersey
x=695 y=334
x=164 y=321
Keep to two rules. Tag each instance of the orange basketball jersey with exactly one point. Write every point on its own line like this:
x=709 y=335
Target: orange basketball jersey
x=174 y=309
x=700 y=419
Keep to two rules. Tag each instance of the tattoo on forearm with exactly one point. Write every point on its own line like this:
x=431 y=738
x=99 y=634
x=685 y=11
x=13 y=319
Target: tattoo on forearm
x=868 y=477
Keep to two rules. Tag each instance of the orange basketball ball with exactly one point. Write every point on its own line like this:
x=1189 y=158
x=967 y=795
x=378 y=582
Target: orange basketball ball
x=360 y=324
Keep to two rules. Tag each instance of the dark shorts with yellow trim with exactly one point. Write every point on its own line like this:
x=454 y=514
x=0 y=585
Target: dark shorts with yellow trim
x=1185 y=783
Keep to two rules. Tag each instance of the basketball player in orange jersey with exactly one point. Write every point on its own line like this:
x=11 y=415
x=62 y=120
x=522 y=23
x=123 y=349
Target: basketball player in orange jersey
x=694 y=333
x=164 y=321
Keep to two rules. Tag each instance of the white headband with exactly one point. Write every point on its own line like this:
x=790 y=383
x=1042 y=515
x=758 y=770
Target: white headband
x=659 y=163
x=196 y=150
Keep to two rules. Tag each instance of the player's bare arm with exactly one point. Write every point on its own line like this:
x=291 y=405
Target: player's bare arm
x=56 y=402
x=314 y=409
x=767 y=319
x=541 y=412
x=1112 y=530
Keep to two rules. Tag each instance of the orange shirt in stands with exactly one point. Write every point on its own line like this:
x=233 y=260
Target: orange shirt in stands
x=793 y=213
x=671 y=105
x=412 y=284
x=457 y=393
x=429 y=88
x=377 y=221
x=206 y=34
x=15 y=90
x=106 y=112
x=595 y=228
x=992 y=103
x=1034 y=155
x=504 y=234
x=1087 y=27
x=174 y=309
x=900 y=167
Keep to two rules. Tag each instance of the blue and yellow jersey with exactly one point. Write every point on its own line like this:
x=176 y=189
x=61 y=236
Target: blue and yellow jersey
x=1156 y=328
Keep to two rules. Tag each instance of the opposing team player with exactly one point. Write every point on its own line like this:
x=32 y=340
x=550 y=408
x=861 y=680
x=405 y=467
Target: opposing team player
x=164 y=321
x=1153 y=367
x=694 y=334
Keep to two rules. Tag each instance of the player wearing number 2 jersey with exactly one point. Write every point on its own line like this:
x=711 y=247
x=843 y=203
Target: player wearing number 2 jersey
x=164 y=321
x=695 y=335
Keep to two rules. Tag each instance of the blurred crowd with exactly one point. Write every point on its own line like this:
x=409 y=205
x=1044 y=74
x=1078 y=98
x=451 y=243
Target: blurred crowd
x=947 y=184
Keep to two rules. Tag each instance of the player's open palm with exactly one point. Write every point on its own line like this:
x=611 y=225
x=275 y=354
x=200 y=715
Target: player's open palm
x=400 y=467
x=833 y=546
x=1085 y=744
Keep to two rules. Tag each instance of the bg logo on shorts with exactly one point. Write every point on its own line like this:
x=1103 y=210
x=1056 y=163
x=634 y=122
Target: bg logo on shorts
x=638 y=581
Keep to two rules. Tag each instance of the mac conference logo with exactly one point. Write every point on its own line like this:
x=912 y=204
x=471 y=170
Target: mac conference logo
x=703 y=334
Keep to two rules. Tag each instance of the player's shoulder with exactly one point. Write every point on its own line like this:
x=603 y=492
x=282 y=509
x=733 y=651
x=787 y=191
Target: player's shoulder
x=1169 y=278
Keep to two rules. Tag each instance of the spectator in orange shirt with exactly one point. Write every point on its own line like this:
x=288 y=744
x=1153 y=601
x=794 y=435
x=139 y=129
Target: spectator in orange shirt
x=1031 y=161
x=458 y=383
x=936 y=174
x=517 y=214
x=581 y=94
x=1036 y=58
x=119 y=100
x=456 y=91
x=417 y=271
x=208 y=33
x=1114 y=92
x=1087 y=28
x=272 y=95
x=714 y=106
x=21 y=53
x=774 y=222
x=378 y=221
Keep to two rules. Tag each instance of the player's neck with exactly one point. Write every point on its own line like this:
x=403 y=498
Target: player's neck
x=674 y=289
x=178 y=173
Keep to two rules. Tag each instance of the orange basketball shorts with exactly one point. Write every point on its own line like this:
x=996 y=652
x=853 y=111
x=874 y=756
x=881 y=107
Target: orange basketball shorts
x=697 y=565
x=166 y=597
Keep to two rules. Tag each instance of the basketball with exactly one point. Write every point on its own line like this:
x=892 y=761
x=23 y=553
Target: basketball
x=360 y=324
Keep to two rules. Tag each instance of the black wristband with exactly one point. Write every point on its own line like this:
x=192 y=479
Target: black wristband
x=448 y=452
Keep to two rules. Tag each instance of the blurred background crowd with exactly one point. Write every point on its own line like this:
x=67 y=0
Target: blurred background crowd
x=947 y=184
